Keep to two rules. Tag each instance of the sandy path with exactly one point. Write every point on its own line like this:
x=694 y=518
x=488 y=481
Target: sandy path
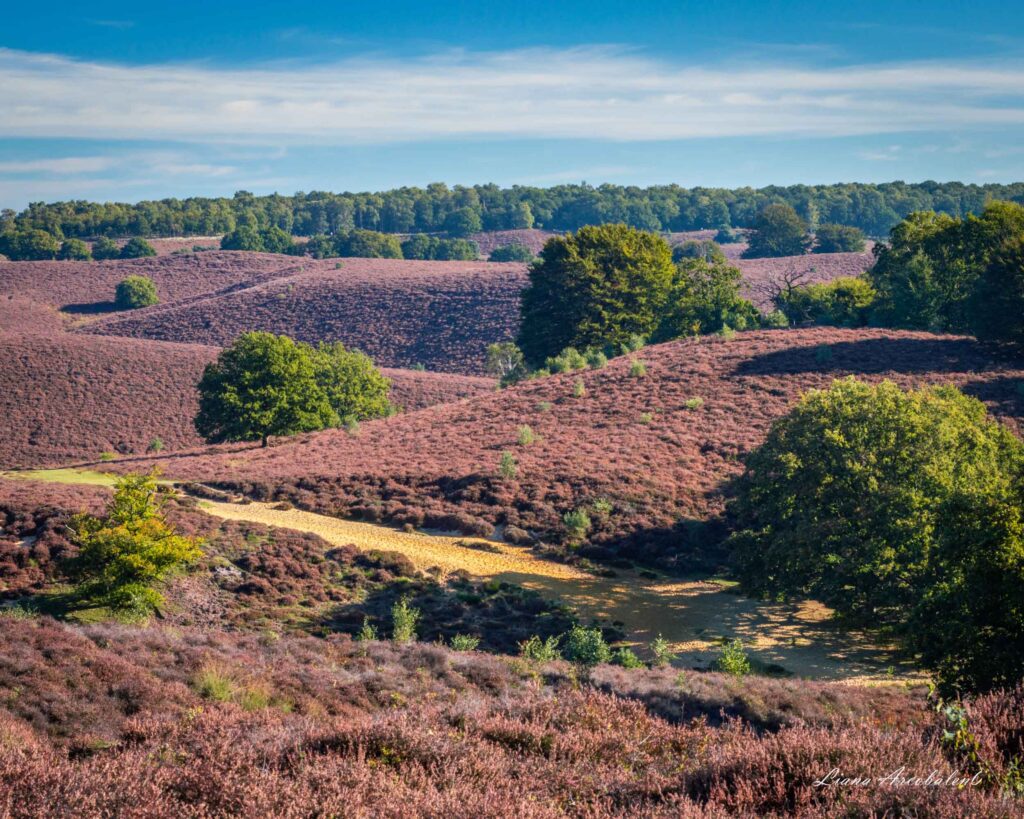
x=691 y=614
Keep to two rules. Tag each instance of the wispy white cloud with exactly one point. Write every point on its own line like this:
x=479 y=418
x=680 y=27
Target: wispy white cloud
x=602 y=93
x=58 y=165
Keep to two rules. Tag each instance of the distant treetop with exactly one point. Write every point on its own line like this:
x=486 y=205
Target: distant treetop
x=459 y=210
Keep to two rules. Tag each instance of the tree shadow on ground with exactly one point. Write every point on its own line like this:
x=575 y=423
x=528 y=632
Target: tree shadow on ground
x=90 y=308
x=880 y=355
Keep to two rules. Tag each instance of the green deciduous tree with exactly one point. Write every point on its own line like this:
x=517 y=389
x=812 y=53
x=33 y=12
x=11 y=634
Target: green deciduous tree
x=137 y=249
x=778 y=231
x=28 y=245
x=265 y=385
x=996 y=309
x=134 y=292
x=463 y=222
x=596 y=287
x=845 y=302
x=74 y=250
x=892 y=507
x=354 y=387
x=832 y=238
x=705 y=298
x=121 y=556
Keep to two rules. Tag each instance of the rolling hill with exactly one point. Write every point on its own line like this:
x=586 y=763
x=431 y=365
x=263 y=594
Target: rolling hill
x=650 y=456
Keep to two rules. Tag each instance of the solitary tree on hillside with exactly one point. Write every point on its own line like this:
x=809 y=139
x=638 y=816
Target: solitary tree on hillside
x=134 y=292
x=265 y=385
x=601 y=285
x=261 y=385
x=778 y=231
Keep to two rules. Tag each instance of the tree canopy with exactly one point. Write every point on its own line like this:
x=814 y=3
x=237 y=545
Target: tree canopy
x=830 y=238
x=705 y=298
x=264 y=385
x=124 y=554
x=596 y=287
x=778 y=231
x=134 y=292
x=886 y=504
x=137 y=249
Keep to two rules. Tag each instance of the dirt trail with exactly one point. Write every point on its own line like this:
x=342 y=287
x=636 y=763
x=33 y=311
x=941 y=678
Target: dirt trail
x=691 y=614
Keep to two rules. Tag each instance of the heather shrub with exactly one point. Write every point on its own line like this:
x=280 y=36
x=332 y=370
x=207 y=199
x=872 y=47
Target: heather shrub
x=134 y=292
x=586 y=647
x=403 y=622
x=507 y=466
x=577 y=524
x=733 y=659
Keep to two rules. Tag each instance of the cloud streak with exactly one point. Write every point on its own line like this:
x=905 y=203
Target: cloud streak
x=589 y=93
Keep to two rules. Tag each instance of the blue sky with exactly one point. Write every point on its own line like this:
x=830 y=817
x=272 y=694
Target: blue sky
x=126 y=101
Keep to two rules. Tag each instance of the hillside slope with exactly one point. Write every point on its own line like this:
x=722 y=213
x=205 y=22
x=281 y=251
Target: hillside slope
x=403 y=313
x=643 y=443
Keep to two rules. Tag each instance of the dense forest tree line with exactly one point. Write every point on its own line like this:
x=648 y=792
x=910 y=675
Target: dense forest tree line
x=874 y=208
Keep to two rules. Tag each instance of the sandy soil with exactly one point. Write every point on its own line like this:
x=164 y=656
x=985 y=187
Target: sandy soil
x=692 y=614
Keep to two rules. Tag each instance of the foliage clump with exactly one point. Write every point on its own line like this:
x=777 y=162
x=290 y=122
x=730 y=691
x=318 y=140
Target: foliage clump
x=134 y=292
x=778 y=231
x=265 y=385
x=598 y=286
x=898 y=509
x=512 y=253
x=123 y=555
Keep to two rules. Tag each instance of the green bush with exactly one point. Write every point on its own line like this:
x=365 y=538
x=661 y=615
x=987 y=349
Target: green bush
x=463 y=222
x=637 y=368
x=367 y=244
x=507 y=466
x=525 y=435
x=577 y=524
x=74 y=250
x=134 y=292
x=831 y=238
x=894 y=508
x=586 y=647
x=505 y=361
x=694 y=403
x=596 y=287
x=28 y=245
x=542 y=651
x=846 y=301
x=511 y=253
x=104 y=248
x=733 y=659
x=661 y=652
x=705 y=251
x=403 y=622
x=464 y=642
x=368 y=632
x=422 y=246
x=137 y=249
x=122 y=555
x=626 y=658
x=579 y=389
